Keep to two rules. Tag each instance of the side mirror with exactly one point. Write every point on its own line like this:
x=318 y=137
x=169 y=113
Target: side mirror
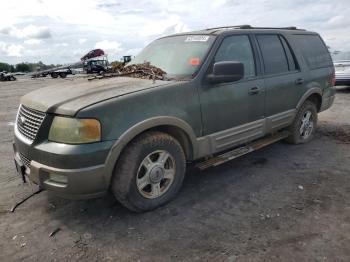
x=226 y=71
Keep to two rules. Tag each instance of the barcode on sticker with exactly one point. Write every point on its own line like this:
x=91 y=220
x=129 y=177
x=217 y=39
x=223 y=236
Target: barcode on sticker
x=197 y=38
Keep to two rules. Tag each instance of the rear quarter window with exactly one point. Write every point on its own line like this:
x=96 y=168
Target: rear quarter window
x=314 y=51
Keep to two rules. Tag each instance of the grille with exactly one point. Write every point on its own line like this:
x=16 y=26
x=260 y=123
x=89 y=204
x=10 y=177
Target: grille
x=29 y=122
x=25 y=160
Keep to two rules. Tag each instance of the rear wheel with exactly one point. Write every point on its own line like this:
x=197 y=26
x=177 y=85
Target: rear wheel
x=54 y=75
x=63 y=75
x=149 y=172
x=304 y=125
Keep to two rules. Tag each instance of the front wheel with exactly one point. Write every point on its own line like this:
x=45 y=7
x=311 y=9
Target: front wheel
x=304 y=125
x=149 y=172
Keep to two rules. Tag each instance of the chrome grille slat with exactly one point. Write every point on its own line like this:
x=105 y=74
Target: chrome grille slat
x=30 y=127
x=25 y=160
x=31 y=133
x=32 y=122
x=32 y=119
x=32 y=112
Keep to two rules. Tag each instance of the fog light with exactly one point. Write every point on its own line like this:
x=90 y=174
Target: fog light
x=58 y=178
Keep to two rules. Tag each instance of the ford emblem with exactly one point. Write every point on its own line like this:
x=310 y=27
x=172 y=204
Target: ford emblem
x=22 y=119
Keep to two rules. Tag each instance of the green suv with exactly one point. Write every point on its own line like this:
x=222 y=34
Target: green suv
x=224 y=88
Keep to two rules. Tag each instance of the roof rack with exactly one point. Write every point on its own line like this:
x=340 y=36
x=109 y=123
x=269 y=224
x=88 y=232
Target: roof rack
x=252 y=27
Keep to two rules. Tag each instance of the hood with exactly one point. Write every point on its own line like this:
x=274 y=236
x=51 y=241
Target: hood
x=67 y=97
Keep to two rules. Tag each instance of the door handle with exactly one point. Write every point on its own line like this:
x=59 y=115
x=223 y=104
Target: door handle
x=254 y=90
x=299 y=81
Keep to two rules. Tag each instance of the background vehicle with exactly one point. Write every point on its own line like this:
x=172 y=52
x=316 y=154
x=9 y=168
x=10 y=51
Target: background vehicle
x=342 y=67
x=96 y=66
x=92 y=54
x=4 y=76
x=94 y=61
x=60 y=73
x=227 y=92
x=342 y=72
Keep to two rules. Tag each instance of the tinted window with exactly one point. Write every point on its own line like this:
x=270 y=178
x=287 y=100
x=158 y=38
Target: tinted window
x=237 y=48
x=292 y=65
x=314 y=51
x=275 y=60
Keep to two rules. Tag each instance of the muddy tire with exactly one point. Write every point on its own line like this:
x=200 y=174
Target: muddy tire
x=54 y=75
x=304 y=125
x=63 y=75
x=149 y=172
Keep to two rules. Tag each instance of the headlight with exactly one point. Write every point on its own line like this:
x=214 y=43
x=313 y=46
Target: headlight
x=75 y=131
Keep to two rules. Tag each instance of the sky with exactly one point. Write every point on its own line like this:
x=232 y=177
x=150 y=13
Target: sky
x=61 y=31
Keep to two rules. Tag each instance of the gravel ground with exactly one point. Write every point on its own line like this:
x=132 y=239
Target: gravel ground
x=282 y=203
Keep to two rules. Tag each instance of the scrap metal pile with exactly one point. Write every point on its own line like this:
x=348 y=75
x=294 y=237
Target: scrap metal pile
x=144 y=71
x=4 y=76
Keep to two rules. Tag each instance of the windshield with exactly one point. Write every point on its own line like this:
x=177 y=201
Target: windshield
x=178 y=56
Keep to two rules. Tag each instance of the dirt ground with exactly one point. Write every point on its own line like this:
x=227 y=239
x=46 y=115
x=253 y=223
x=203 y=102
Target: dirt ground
x=282 y=203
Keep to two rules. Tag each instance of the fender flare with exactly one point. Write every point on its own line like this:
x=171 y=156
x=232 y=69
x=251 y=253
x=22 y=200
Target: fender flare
x=307 y=94
x=137 y=129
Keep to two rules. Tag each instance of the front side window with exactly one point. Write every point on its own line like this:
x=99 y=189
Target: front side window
x=273 y=53
x=237 y=48
x=176 y=55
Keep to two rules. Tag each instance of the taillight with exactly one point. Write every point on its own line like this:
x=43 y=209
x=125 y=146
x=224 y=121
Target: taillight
x=332 y=80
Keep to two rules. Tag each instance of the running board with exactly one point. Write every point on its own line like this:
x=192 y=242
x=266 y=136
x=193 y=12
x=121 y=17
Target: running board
x=223 y=158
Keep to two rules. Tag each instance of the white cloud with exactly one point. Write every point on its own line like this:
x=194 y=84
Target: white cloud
x=33 y=41
x=169 y=25
x=30 y=31
x=82 y=40
x=133 y=51
x=109 y=46
x=5 y=30
x=11 y=49
x=133 y=24
x=61 y=44
x=14 y=50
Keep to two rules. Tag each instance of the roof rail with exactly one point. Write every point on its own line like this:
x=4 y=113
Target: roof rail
x=229 y=27
x=252 y=27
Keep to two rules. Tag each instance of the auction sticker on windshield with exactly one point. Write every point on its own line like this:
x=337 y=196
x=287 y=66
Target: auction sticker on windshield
x=197 y=38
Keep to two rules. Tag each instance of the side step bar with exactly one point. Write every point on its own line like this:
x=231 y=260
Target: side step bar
x=240 y=151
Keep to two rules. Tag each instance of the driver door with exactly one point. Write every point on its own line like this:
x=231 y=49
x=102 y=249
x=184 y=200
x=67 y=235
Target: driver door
x=233 y=113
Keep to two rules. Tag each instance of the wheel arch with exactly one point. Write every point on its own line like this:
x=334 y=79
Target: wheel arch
x=173 y=126
x=314 y=95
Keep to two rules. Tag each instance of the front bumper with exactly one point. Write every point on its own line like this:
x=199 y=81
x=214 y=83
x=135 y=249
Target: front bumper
x=81 y=169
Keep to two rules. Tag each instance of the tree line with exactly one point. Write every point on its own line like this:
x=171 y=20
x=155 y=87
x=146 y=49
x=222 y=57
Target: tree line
x=25 y=67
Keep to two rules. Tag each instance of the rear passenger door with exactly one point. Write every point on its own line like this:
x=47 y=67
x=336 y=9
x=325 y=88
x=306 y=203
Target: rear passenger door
x=284 y=82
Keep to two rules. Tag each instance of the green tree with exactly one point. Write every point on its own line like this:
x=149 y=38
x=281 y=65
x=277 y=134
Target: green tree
x=23 y=67
x=5 y=67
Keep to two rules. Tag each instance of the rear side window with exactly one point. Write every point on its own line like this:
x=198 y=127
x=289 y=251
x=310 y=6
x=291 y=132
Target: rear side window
x=314 y=51
x=237 y=48
x=274 y=55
